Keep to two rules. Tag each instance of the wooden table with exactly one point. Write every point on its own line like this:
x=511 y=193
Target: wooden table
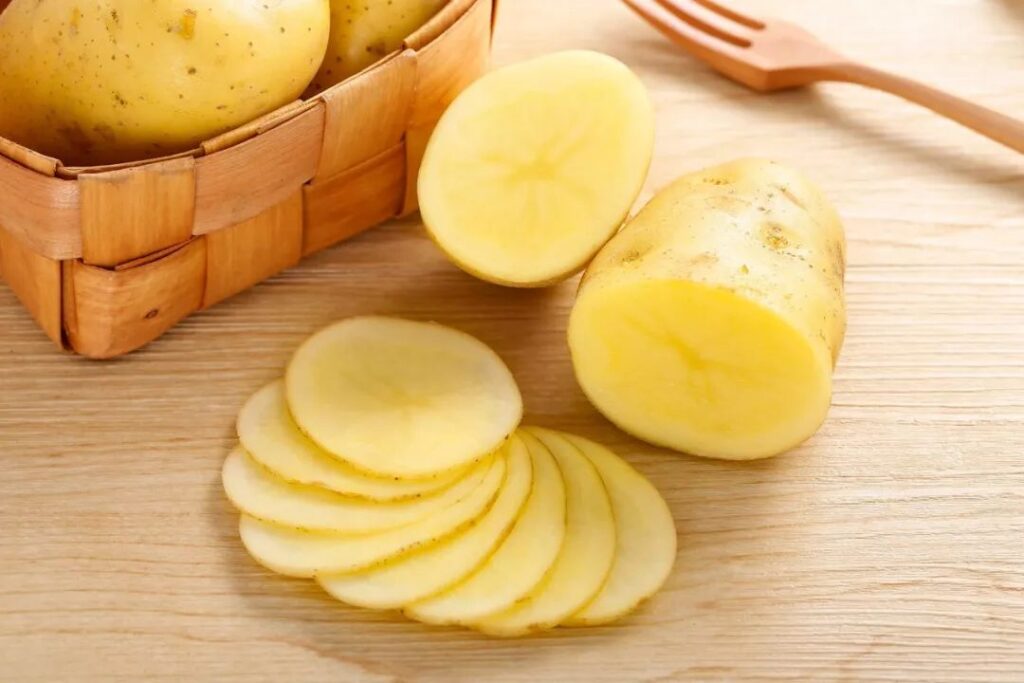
x=890 y=547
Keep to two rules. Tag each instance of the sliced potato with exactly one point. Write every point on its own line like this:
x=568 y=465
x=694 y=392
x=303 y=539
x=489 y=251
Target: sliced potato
x=256 y=492
x=645 y=547
x=294 y=552
x=520 y=562
x=271 y=437
x=586 y=556
x=440 y=566
x=402 y=398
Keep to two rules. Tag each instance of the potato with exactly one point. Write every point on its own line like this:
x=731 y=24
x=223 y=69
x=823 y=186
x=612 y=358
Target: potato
x=109 y=81
x=294 y=552
x=401 y=398
x=271 y=438
x=440 y=566
x=711 y=323
x=364 y=31
x=535 y=166
x=520 y=562
x=253 y=490
x=645 y=546
x=586 y=555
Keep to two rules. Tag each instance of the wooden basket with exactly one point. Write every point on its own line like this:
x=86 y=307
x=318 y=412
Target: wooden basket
x=106 y=259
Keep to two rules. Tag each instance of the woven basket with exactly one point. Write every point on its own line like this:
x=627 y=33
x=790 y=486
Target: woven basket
x=106 y=259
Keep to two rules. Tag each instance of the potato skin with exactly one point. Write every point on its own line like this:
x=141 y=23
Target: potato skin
x=110 y=81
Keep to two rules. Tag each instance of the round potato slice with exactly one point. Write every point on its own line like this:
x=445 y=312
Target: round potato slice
x=586 y=556
x=306 y=554
x=271 y=438
x=401 y=398
x=258 y=493
x=645 y=548
x=519 y=563
x=439 y=566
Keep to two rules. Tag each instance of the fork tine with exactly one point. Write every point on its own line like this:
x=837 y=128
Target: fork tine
x=680 y=32
x=694 y=13
x=729 y=13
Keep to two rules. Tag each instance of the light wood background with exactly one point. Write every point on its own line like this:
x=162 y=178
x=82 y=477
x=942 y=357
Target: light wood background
x=888 y=548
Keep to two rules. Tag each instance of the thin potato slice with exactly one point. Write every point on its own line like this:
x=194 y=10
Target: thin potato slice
x=271 y=437
x=306 y=554
x=645 y=547
x=258 y=493
x=586 y=556
x=402 y=398
x=440 y=566
x=520 y=562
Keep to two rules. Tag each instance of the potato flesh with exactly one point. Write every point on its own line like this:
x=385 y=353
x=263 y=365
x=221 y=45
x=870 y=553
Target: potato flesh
x=536 y=165
x=440 y=566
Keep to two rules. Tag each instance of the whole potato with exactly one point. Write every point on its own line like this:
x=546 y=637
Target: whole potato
x=109 y=81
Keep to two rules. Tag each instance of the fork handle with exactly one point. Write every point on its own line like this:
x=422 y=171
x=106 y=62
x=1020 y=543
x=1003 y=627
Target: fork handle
x=999 y=127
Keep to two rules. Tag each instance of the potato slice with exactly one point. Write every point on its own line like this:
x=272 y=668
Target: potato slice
x=586 y=557
x=536 y=165
x=520 y=562
x=645 y=547
x=271 y=438
x=402 y=398
x=440 y=566
x=294 y=552
x=256 y=492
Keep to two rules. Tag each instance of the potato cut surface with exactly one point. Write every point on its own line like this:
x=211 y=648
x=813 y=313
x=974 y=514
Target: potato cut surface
x=299 y=553
x=256 y=492
x=586 y=556
x=645 y=546
x=519 y=563
x=401 y=398
x=440 y=566
x=536 y=165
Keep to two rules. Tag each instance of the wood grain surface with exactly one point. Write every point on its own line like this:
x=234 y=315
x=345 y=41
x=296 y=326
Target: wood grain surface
x=888 y=548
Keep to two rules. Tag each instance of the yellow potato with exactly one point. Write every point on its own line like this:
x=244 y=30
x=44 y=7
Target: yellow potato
x=401 y=398
x=711 y=323
x=536 y=165
x=108 y=81
x=440 y=566
x=520 y=562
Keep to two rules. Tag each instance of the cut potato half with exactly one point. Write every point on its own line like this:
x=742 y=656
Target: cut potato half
x=439 y=566
x=536 y=165
x=402 y=398
x=645 y=546
x=271 y=437
x=258 y=493
x=519 y=563
x=586 y=556
x=306 y=554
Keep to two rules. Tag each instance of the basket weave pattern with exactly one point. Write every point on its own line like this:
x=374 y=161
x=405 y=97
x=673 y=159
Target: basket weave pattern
x=107 y=259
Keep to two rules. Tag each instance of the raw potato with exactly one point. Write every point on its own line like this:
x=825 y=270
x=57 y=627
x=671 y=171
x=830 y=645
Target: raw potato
x=271 y=438
x=520 y=562
x=536 y=165
x=711 y=323
x=294 y=552
x=402 y=398
x=256 y=492
x=108 y=81
x=440 y=566
x=586 y=556
x=645 y=538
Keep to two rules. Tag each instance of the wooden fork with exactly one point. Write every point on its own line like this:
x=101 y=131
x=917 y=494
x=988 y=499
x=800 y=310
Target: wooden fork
x=773 y=55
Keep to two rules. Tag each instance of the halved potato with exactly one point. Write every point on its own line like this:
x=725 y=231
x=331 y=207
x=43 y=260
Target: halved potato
x=294 y=552
x=440 y=566
x=401 y=398
x=256 y=492
x=586 y=556
x=536 y=165
x=645 y=547
x=520 y=562
x=271 y=438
